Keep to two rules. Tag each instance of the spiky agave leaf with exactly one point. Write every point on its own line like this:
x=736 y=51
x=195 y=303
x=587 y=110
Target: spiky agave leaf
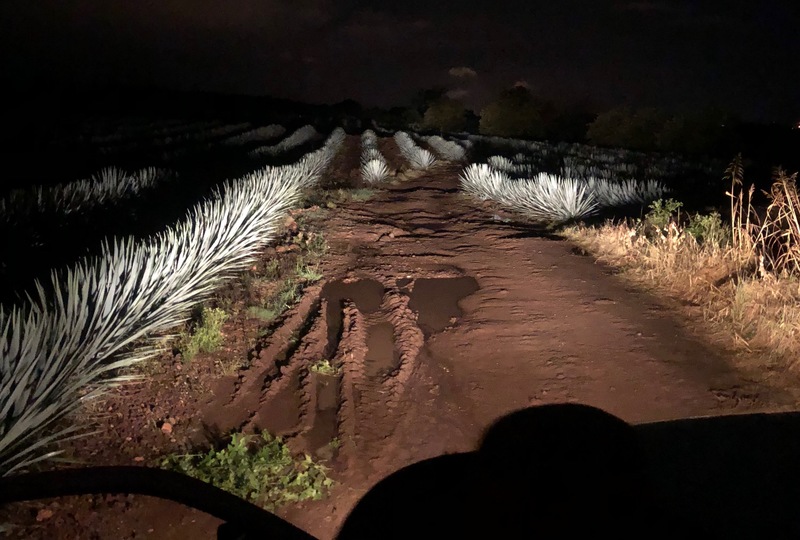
x=374 y=171
x=102 y=311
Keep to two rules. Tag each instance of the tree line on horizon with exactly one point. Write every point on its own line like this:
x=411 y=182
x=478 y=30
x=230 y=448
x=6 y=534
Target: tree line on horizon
x=517 y=113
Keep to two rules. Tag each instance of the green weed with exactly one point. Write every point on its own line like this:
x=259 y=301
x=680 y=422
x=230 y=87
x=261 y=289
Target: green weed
x=265 y=314
x=259 y=469
x=662 y=212
x=362 y=194
x=272 y=269
x=324 y=367
x=207 y=334
x=708 y=229
x=307 y=272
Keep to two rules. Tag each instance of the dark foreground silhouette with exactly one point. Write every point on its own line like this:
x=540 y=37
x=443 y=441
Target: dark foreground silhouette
x=555 y=471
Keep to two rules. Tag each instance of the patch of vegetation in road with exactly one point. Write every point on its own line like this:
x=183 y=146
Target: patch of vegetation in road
x=260 y=469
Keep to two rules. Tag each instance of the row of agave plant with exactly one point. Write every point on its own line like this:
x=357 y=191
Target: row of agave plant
x=447 y=150
x=109 y=186
x=259 y=134
x=168 y=143
x=68 y=342
x=374 y=168
x=554 y=198
x=299 y=137
x=586 y=161
x=102 y=133
x=418 y=158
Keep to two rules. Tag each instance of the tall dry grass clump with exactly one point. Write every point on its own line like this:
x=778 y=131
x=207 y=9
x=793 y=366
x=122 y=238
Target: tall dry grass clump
x=744 y=274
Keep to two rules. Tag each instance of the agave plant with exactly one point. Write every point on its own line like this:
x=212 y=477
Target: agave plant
x=544 y=198
x=259 y=134
x=447 y=150
x=369 y=154
x=297 y=138
x=550 y=198
x=483 y=182
x=501 y=163
x=418 y=158
x=109 y=186
x=369 y=139
x=610 y=194
x=66 y=346
x=374 y=171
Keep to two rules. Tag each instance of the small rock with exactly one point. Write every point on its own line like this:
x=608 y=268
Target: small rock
x=44 y=514
x=290 y=223
x=138 y=459
x=166 y=427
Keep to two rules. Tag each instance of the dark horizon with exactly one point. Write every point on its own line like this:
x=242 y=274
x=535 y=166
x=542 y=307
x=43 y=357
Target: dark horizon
x=669 y=54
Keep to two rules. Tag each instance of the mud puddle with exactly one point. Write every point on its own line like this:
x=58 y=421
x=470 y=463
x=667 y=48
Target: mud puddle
x=436 y=301
x=382 y=357
x=366 y=294
x=322 y=436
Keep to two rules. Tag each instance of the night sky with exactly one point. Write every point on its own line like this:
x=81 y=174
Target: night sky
x=739 y=55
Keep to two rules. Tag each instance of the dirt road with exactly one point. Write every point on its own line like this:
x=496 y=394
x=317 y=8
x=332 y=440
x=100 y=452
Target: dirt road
x=446 y=317
x=441 y=316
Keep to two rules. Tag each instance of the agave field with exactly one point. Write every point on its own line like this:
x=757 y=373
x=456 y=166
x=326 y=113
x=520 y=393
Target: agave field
x=102 y=313
x=68 y=340
x=345 y=287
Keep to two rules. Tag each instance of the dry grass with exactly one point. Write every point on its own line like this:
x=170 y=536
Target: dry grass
x=746 y=283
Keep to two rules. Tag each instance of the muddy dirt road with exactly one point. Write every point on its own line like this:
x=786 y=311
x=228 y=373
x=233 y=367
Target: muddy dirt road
x=438 y=316
x=445 y=317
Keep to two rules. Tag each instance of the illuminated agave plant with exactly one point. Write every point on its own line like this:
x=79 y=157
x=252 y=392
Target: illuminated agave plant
x=259 y=134
x=550 y=198
x=482 y=181
x=418 y=158
x=369 y=154
x=109 y=186
x=543 y=198
x=501 y=163
x=447 y=150
x=299 y=137
x=611 y=194
x=65 y=347
x=369 y=139
x=373 y=165
x=374 y=171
